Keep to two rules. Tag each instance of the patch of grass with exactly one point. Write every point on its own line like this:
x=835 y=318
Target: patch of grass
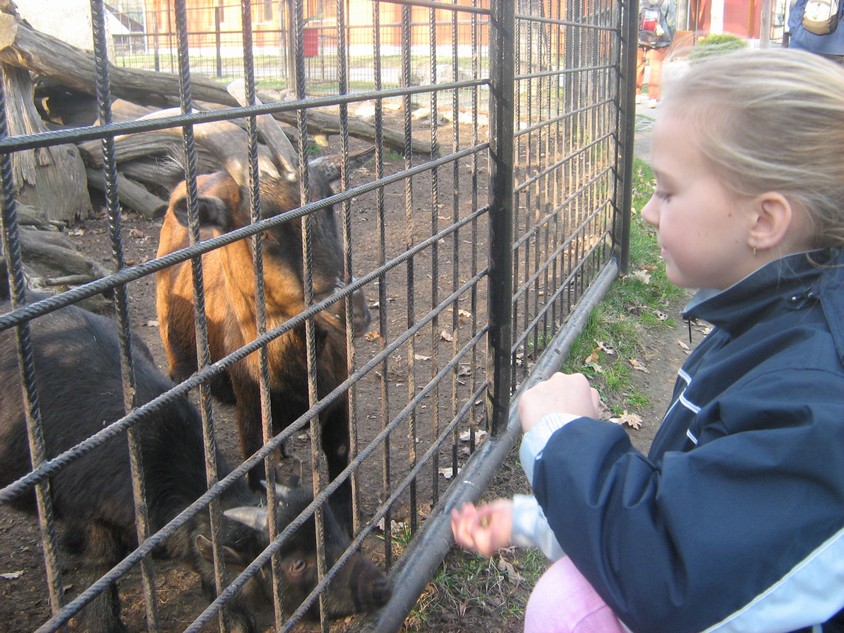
x=468 y=588
x=635 y=303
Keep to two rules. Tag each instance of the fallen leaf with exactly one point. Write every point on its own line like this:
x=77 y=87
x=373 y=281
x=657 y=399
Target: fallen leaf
x=464 y=370
x=683 y=345
x=641 y=275
x=607 y=350
x=152 y=323
x=480 y=434
x=12 y=575
x=630 y=419
x=421 y=357
x=448 y=473
x=638 y=366
x=137 y=234
x=592 y=358
x=507 y=567
x=372 y=336
x=446 y=336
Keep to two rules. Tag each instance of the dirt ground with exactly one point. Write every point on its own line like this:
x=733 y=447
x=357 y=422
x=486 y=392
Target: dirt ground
x=23 y=598
x=24 y=603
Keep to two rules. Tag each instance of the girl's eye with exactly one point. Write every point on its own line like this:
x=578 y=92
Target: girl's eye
x=662 y=195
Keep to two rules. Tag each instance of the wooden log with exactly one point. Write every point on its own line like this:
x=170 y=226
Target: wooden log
x=37 y=218
x=50 y=179
x=323 y=123
x=45 y=55
x=56 y=251
x=131 y=194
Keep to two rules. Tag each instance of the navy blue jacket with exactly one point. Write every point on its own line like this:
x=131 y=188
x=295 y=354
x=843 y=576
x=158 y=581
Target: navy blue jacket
x=735 y=519
x=829 y=44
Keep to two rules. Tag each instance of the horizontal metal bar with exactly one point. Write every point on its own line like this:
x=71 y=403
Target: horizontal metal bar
x=557 y=21
x=441 y=6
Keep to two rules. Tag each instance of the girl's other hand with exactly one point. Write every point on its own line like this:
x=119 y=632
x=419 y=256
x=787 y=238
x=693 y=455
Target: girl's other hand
x=561 y=393
x=485 y=528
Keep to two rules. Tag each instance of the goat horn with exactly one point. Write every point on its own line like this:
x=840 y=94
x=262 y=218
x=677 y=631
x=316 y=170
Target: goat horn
x=250 y=516
x=329 y=166
x=274 y=137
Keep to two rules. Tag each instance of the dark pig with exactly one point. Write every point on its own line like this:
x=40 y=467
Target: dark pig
x=78 y=376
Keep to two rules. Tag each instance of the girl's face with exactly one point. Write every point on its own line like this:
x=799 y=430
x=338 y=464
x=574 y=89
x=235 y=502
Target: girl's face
x=702 y=226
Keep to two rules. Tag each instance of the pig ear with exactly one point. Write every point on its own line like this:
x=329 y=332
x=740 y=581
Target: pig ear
x=250 y=516
x=203 y=546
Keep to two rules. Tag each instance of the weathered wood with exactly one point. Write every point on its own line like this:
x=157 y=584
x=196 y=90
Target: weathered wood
x=130 y=194
x=27 y=216
x=57 y=252
x=130 y=147
x=51 y=179
x=323 y=123
x=45 y=55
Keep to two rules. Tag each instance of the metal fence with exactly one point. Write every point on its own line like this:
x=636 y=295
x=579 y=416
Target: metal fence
x=490 y=220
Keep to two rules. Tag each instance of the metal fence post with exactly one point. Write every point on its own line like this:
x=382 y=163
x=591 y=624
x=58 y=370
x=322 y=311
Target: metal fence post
x=502 y=95
x=627 y=127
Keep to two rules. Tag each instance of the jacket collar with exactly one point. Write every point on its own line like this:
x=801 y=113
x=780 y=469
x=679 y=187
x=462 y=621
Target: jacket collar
x=790 y=283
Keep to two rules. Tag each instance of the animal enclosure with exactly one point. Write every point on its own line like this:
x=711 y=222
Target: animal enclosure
x=414 y=206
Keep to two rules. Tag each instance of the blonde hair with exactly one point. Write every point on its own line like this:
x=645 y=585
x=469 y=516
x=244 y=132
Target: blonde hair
x=771 y=120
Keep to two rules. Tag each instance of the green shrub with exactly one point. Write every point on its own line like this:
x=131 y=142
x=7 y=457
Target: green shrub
x=716 y=44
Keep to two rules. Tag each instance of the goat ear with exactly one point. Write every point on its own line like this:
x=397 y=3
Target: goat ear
x=281 y=490
x=210 y=210
x=250 y=516
x=205 y=549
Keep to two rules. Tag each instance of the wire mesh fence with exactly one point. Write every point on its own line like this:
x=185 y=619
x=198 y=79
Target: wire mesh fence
x=374 y=237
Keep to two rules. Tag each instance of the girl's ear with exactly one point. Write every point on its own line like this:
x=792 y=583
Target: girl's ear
x=773 y=222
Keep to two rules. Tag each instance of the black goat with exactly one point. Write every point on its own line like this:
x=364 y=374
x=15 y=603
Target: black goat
x=78 y=377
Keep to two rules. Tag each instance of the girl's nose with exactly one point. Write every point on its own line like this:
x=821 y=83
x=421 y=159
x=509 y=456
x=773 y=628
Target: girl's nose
x=650 y=212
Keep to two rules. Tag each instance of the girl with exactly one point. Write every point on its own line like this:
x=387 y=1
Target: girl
x=734 y=521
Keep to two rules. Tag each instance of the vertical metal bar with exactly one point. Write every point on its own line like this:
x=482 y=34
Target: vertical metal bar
x=260 y=307
x=530 y=165
x=103 y=89
x=501 y=111
x=156 y=54
x=455 y=245
x=520 y=174
x=307 y=259
x=408 y=243
x=346 y=217
x=382 y=280
x=474 y=231
x=217 y=44
x=35 y=436
x=435 y=253
x=200 y=328
x=626 y=126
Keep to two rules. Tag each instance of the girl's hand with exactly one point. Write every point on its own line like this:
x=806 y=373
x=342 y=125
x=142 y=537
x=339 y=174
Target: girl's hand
x=485 y=528
x=561 y=393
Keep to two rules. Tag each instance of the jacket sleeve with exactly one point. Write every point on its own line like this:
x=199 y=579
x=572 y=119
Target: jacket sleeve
x=531 y=529
x=717 y=534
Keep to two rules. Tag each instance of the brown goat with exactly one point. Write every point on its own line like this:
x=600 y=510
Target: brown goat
x=229 y=284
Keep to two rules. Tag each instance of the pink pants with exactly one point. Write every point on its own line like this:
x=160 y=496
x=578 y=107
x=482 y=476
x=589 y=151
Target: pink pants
x=563 y=601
